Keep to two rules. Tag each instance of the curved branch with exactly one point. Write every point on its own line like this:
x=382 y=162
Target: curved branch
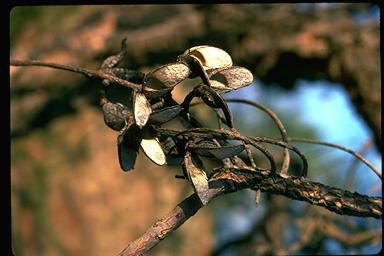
x=279 y=124
x=234 y=135
x=355 y=154
x=275 y=119
x=231 y=180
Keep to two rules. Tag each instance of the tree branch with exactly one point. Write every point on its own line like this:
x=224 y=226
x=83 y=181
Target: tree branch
x=87 y=72
x=164 y=226
x=231 y=180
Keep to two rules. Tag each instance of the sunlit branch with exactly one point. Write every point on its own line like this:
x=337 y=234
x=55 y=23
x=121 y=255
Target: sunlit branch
x=231 y=180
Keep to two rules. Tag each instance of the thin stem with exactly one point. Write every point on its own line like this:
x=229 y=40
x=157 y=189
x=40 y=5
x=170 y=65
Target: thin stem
x=232 y=135
x=350 y=151
x=350 y=180
x=87 y=72
x=235 y=135
x=279 y=124
x=304 y=170
x=266 y=153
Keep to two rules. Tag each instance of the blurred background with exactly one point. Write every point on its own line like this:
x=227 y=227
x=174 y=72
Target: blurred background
x=316 y=65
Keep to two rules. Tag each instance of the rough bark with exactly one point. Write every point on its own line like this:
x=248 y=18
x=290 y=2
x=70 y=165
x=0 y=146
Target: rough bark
x=334 y=199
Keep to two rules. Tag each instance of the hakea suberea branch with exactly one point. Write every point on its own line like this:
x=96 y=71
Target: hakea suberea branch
x=231 y=180
x=151 y=105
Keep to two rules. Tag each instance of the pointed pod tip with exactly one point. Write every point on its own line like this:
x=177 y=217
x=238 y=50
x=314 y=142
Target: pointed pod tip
x=198 y=178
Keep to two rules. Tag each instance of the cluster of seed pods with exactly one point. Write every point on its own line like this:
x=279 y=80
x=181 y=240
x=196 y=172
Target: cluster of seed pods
x=152 y=105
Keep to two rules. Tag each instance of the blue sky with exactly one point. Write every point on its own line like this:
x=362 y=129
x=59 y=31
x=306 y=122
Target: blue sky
x=324 y=106
x=327 y=108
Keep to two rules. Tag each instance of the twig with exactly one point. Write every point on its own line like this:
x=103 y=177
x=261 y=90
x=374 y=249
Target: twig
x=84 y=71
x=357 y=155
x=230 y=180
x=279 y=124
x=163 y=227
x=276 y=120
x=355 y=163
x=235 y=135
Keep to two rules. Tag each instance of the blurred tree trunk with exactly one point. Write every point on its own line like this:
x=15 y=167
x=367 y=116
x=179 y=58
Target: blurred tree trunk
x=279 y=43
